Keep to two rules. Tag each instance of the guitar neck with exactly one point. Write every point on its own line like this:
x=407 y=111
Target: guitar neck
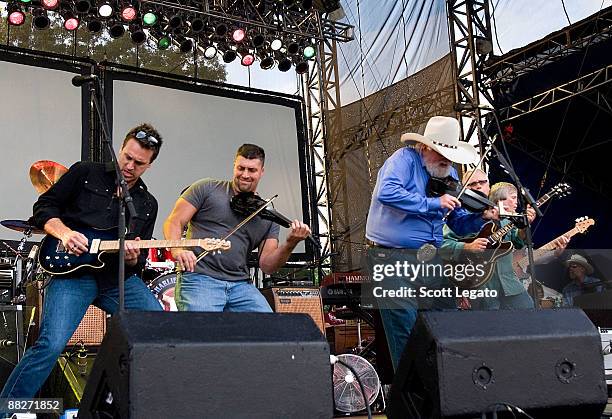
x=548 y=247
x=110 y=245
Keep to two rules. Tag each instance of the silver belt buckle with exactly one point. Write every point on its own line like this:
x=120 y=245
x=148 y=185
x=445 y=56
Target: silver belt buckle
x=426 y=252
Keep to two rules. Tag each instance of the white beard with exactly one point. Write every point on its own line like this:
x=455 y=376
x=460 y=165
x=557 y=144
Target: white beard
x=436 y=170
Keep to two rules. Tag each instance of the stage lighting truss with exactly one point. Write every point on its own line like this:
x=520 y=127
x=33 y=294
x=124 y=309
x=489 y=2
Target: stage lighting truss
x=281 y=33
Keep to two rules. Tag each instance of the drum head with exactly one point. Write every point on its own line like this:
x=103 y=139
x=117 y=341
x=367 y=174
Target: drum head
x=163 y=289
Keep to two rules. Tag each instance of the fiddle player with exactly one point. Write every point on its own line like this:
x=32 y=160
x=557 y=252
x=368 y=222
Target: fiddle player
x=221 y=282
x=403 y=219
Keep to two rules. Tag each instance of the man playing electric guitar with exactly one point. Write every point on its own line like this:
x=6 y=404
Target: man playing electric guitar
x=86 y=196
x=510 y=291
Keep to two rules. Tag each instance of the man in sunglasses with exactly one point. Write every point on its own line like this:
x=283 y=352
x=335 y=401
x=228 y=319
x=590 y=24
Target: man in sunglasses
x=85 y=198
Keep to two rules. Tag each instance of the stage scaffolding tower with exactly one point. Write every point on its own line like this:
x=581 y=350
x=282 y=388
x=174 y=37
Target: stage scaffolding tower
x=469 y=26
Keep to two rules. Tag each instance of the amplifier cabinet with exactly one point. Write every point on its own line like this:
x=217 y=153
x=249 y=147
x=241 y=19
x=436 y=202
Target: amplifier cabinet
x=92 y=328
x=305 y=300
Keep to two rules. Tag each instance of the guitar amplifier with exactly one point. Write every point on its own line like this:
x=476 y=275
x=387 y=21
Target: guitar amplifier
x=304 y=300
x=91 y=330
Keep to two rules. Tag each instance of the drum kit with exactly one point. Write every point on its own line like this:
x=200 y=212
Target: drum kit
x=159 y=272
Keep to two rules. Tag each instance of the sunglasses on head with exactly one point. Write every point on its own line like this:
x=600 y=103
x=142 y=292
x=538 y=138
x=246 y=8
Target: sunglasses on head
x=144 y=137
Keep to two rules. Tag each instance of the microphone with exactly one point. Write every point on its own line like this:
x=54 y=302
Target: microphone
x=5 y=343
x=471 y=107
x=78 y=81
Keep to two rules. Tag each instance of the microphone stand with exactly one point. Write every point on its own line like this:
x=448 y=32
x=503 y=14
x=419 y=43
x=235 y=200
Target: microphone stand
x=523 y=195
x=125 y=199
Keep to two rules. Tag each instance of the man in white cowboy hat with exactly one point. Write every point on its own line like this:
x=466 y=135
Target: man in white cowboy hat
x=579 y=271
x=403 y=216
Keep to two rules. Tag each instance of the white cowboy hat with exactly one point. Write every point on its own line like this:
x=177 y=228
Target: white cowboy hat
x=580 y=260
x=442 y=135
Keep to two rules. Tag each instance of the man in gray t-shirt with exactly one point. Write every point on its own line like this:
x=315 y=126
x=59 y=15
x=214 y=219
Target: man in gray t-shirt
x=221 y=282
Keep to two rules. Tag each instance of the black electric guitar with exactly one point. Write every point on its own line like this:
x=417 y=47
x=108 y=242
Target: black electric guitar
x=56 y=260
x=483 y=263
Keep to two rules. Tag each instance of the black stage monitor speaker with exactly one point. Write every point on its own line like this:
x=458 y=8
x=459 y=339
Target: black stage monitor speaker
x=461 y=364
x=193 y=364
x=11 y=339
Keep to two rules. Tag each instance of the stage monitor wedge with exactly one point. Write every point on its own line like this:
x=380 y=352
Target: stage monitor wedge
x=195 y=364
x=462 y=364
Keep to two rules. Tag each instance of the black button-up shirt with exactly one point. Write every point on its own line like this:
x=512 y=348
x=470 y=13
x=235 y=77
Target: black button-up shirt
x=85 y=196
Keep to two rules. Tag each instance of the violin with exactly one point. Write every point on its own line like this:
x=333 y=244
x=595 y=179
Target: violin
x=474 y=201
x=246 y=203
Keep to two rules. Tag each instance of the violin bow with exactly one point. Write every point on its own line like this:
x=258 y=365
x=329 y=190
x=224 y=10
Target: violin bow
x=239 y=226
x=464 y=185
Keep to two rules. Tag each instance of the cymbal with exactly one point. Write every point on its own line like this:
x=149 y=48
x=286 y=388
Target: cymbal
x=44 y=173
x=21 y=226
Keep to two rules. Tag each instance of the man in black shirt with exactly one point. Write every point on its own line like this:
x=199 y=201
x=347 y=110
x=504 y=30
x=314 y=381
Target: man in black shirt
x=83 y=198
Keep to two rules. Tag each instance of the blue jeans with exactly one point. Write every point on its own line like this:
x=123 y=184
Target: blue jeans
x=198 y=292
x=65 y=304
x=399 y=315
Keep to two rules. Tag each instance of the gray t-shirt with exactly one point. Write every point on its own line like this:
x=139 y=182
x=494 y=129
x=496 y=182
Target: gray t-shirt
x=215 y=219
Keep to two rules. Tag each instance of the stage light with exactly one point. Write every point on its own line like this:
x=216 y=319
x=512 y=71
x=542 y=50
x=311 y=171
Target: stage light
x=197 y=25
x=40 y=20
x=186 y=46
x=149 y=19
x=137 y=35
x=115 y=29
x=175 y=23
x=50 y=4
x=82 y=6
x=247 y=59
x=276 y=44
x=16 y=16
x=210 y=52
x=229 y=56
x=71 y=22
x=128 y=13
x=94 y=26
x=301 y=67
x=309 y=52
x=284 y=64
x=105 y=10
x=267 y=63
x=238 y=35
x=258 y=40
x=293 y=48
x=221 y=29
x=163 y=42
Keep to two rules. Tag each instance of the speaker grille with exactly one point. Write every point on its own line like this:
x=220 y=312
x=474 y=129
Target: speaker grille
x=297 y=300
x=91 y=329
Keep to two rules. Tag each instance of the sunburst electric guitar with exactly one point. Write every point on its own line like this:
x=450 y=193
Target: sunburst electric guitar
x=496 y=246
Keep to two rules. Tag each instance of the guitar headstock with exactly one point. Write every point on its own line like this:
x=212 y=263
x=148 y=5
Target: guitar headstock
x=560 y=190
x=212 y=245
x=583 y=224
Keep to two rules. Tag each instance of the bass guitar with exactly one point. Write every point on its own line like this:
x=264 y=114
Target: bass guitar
x=483 y=263
x=55 y=259
x=521 y=261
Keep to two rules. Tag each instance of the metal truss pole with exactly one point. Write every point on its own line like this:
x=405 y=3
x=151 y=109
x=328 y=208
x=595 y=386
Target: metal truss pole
x=469 y=25
x=320 y=88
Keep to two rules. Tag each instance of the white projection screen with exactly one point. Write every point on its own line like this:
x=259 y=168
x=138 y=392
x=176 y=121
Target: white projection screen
x=41 y=120
x=202 y=132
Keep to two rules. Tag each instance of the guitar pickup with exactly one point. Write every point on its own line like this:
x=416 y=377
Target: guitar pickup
x=95 y=246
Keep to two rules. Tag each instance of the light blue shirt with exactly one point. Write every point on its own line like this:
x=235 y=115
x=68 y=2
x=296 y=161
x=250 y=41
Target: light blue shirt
x=402 y=216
